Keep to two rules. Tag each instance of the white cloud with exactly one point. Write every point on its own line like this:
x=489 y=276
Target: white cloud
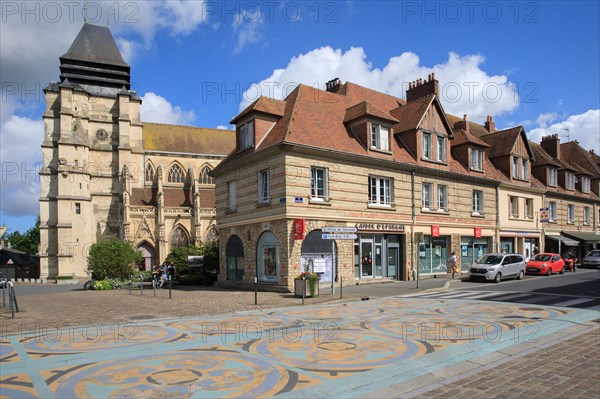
x=229 y=127
x=464 y=86
x=584 y=128
x=246 y=25
x=20 y=156
x=157 y=109
x=543 y=120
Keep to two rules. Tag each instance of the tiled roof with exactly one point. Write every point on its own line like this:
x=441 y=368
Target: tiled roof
x=411 y=114
x=187 y=139
x=576 y=155
x=542 y=157
x=365 y=108
x=463 y=137
x=95 y=43
x=263 y=104
x=502 y=142
x=474 y=128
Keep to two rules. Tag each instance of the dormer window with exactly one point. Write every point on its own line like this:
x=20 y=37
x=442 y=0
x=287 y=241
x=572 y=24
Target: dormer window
x=525 y=169
x=569 y=181
x=516 y=168
x=552 y=177
x=246 y=138
x=585 y=185
x=475 y=159
x=427 y=145
x=380 y=137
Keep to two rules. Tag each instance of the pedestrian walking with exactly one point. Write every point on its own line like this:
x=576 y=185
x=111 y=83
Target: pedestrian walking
x=452 y=266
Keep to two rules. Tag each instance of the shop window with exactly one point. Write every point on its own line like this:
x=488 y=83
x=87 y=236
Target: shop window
x=432 y=255
x=317 y=255
x=235 y=258
x=267 y=258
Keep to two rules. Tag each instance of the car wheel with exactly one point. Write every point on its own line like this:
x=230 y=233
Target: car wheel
x=562 y=271
x=498 y=278
x=520 y=275
x=549 y=272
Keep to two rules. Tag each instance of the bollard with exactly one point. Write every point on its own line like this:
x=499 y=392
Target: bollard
x=255 y=291
x=14 y=297
x=154 y=287
x=170 y=287
x=3 y=299
x=341 y=287
x=303 y=289
x=130 y=283
x=141 y=285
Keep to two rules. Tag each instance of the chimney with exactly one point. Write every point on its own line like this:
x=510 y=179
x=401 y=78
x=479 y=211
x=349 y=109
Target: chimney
x=333 y=85
x=490 y=125
x=551 y=144
x=464 y=124
x=592 y=152
x=421 y=88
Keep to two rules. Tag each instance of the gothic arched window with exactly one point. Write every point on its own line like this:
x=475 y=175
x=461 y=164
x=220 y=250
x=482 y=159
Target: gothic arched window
x=176 y=174
x=204 y=177
x=179 y=238
x=149 y=173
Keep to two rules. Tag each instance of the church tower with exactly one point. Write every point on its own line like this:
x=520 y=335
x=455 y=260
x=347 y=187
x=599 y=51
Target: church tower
x=92 y=133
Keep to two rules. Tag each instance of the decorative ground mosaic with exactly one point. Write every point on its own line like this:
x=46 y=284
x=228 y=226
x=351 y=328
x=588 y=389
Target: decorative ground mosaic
x=313 y=351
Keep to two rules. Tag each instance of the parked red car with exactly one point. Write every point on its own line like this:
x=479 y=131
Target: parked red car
x=546 y=263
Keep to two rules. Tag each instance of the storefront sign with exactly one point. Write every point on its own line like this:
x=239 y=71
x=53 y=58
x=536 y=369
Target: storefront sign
x=435 y=230
x=477 y=232
x=380 y=227
x=319 y=265
x=298 y=229
x=544 y=215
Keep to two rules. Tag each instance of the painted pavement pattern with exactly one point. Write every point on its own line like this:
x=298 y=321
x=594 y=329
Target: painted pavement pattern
x=337 y=350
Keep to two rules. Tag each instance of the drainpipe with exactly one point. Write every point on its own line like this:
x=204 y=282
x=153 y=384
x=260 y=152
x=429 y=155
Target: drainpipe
x=412 y=228
x=497 y=218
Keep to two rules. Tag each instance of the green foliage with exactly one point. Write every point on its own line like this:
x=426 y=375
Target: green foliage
x=28 y=242
x=113 y=259
x=102 y=285
x=179 y=258
x=146 y=275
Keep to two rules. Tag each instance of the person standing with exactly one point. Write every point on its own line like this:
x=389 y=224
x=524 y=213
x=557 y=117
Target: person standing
x=452 y=264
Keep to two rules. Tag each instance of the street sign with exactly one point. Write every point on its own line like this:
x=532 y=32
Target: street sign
x=340 y=229
x=339 y=236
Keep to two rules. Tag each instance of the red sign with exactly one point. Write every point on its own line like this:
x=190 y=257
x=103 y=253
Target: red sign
x=435 y=231
x=477 y=232
x=298 y=229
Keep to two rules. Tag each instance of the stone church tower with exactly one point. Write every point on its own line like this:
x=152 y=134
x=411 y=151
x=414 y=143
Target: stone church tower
x=105 y=174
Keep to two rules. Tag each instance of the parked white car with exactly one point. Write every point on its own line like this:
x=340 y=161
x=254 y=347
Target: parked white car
x=592 y=259
x=497 y=267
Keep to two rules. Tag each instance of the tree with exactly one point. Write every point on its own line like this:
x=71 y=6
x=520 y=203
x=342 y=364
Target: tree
x=113 y=259
x=179 y=258
x=28 y=242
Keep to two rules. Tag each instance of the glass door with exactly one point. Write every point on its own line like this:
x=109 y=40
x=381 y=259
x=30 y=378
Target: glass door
x=378 y=258
x=366 y=249
x=392 y=262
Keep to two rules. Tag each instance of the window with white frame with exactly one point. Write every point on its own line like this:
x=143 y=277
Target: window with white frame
x=318 y=184
x=475 y=159
x=427 y=145
x=553 y=211
x=176 y=174
x=569 y=181
x=525 y=169
x=514 y=207
x=586 y=215
x=552 y=177
x=516 y=168
x=380 y=137
x=478 y=202
x=263 y=187
x=246 y=135
x=380 y=191
x=570 y=213
x=442 y=198
x=232 y=195
x=529 y=208
x=585 y=184
x=441 y=149
x=427 y=196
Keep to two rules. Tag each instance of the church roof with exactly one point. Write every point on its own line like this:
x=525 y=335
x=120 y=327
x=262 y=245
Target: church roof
x=187 y=139
x=95 y=43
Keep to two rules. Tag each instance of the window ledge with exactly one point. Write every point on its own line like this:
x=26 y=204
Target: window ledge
x=375 y=149
x=435 y=211
x=476 y=170
x=570 y=222
x=391 y=207
x=434 y=161
x=478 y=214
x=320 y=201
x=230 y=211
x=260 y=204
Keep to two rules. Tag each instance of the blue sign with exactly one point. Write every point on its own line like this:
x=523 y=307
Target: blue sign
x=282 y=200
x=299 y=200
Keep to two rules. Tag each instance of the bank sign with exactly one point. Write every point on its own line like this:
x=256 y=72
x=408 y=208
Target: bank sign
x=380 y=227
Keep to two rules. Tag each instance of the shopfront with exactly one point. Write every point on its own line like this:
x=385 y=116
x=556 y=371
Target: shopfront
x=319 y=256
x=378 y=251
x=433 y=254
x=520 y=242
x=473 y=248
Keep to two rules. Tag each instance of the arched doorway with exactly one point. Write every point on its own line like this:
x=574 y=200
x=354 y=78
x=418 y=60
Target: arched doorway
x=149 y=255
x=235 y=258
x=267 y=258
x=319 y=255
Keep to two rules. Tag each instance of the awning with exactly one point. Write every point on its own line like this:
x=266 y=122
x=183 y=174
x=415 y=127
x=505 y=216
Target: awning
x=591 y=238
x=567 y=241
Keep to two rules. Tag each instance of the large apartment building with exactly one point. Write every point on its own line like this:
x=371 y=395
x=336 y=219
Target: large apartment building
x=412 y=182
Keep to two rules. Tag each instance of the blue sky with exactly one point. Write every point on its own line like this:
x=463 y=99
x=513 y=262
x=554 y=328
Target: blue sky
x=198 y=63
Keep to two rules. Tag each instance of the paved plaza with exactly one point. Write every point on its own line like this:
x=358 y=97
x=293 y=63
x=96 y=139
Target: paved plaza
x=386 y=347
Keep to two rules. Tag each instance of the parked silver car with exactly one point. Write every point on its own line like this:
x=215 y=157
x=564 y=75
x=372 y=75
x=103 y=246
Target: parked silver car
x=497 y=267
x=592 y=258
